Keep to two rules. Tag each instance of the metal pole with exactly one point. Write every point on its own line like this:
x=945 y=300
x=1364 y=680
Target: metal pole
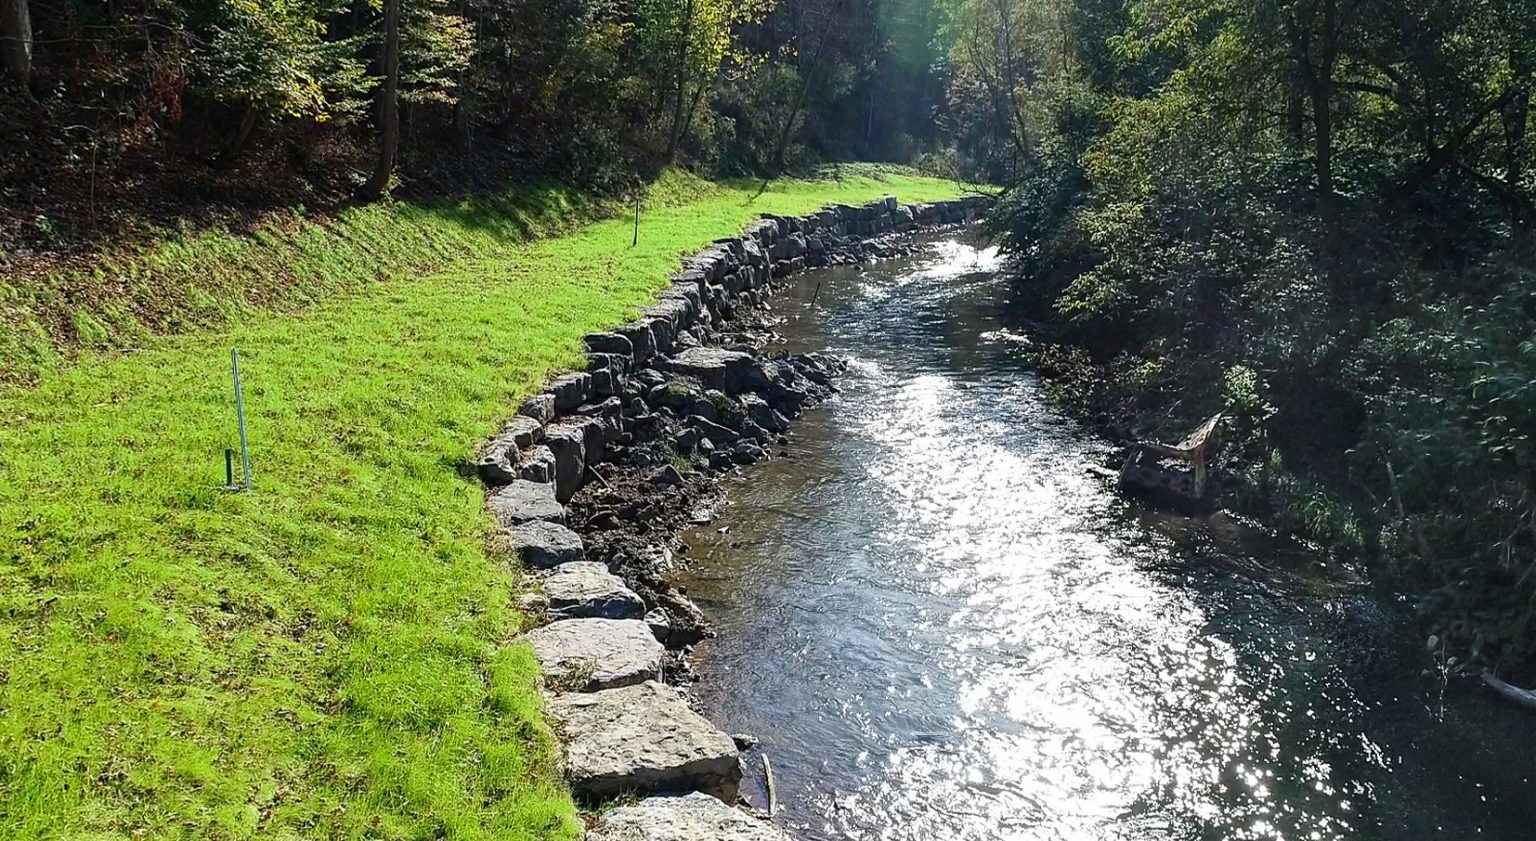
x=245 y=449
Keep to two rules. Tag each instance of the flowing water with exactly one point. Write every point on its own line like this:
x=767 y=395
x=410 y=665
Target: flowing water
x=943 y=624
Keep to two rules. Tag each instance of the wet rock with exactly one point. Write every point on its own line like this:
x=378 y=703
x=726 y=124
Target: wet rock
x=682 y=817
x=745 y=453
x=730 y=371
x=642 y=739
x=590 y=655
x=744 y=741
x=537 y=465
x=752 y=431
x=570 y=390
x=540 y=407
x=586 y=589
x=763 y=414
x=542 y=544
x=520 y=501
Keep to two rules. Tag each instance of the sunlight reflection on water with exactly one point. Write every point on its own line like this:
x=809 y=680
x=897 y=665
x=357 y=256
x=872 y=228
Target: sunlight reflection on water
x=943 y=627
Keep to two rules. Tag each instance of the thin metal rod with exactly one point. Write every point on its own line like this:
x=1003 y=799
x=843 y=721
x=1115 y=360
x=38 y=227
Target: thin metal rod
x=245 y=447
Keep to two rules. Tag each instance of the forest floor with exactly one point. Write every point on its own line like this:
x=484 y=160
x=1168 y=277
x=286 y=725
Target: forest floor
x=330 y=655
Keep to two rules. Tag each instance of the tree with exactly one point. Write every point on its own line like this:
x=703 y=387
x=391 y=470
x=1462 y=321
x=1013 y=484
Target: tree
x=688 y=42
x=389 y=104
x=16 y=38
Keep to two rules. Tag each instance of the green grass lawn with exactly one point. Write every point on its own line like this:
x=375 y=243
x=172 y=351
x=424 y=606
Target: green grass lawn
x=329 y=656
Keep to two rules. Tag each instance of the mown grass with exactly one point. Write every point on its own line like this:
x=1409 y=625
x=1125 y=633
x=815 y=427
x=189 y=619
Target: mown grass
x=331 y=655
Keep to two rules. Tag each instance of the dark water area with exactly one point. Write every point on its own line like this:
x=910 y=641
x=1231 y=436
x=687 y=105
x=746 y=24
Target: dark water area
x=943 y=624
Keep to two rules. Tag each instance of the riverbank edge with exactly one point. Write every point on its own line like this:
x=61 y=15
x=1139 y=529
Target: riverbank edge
x=1266 y=495
x=667 y=402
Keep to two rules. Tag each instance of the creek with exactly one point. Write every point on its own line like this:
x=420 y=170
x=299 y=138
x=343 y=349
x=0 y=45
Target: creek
x=943 y=624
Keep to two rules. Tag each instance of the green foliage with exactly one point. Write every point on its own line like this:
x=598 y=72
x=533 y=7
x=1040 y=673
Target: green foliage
x=1317 y=215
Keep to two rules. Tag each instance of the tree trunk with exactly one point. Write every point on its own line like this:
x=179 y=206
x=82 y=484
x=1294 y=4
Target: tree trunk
x=16 y=38
x=243 y=131
x=1322 y=117
x=679 y=104
x=1516 y=115
x=389 y=104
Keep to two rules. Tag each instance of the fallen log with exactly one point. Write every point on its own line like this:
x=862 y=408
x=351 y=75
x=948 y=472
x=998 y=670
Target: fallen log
x=1145 y=471
x=1514 y=694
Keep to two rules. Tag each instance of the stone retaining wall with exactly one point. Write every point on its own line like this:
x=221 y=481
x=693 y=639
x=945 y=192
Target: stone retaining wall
x=656 y=386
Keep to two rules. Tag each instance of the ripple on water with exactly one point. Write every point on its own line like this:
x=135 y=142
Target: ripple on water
x=943 y=627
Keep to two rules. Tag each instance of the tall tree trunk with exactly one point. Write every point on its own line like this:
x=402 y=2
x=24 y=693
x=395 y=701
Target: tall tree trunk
x=1516 y=116
x=16 y=38
x=243 y=131
x=1322 y=115
x=679 y=96
x=389 y=104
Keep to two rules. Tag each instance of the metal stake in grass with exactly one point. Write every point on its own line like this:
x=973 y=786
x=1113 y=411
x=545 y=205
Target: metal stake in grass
x=245 y=447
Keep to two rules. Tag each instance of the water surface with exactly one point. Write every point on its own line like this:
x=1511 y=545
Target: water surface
x=943 y=625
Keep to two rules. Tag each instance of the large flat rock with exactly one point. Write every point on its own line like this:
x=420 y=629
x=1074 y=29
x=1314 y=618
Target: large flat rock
x=643 y=739
x=730 y=371
x=586 y=589
x=589 y=655
x=521 y=501
x=682 y=817
x=542 y=544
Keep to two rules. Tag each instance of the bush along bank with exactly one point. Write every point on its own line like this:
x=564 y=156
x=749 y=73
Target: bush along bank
x=593 y=479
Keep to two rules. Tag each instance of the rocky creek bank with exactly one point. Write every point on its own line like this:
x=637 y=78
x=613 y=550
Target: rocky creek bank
x=596 y=476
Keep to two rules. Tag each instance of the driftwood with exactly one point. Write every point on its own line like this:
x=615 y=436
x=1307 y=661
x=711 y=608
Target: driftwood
x=773 y=790
x=1143 y=472
x=1514 y=694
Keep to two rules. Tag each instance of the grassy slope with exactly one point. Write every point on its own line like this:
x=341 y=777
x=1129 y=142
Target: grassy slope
x=326 y=657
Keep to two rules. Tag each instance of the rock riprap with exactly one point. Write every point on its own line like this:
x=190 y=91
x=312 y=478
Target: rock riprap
x=643 y=739
x=666 y=400
x=587 y=589
x=522 y=501
x=682 y=817
x=589 y=655
x=542 y=544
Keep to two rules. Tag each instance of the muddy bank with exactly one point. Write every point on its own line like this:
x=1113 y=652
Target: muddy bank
x=596 y=477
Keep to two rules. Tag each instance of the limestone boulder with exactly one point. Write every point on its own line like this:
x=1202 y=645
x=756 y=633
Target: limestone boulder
x=567 y=440
x=540 y=407
x=589 y=655
x=642 y=739
x=520 y=501
x=537 y=464
x=733 y=372
x=682 y=817
x=542 y=544
x=586 y=589
x=570 y=390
